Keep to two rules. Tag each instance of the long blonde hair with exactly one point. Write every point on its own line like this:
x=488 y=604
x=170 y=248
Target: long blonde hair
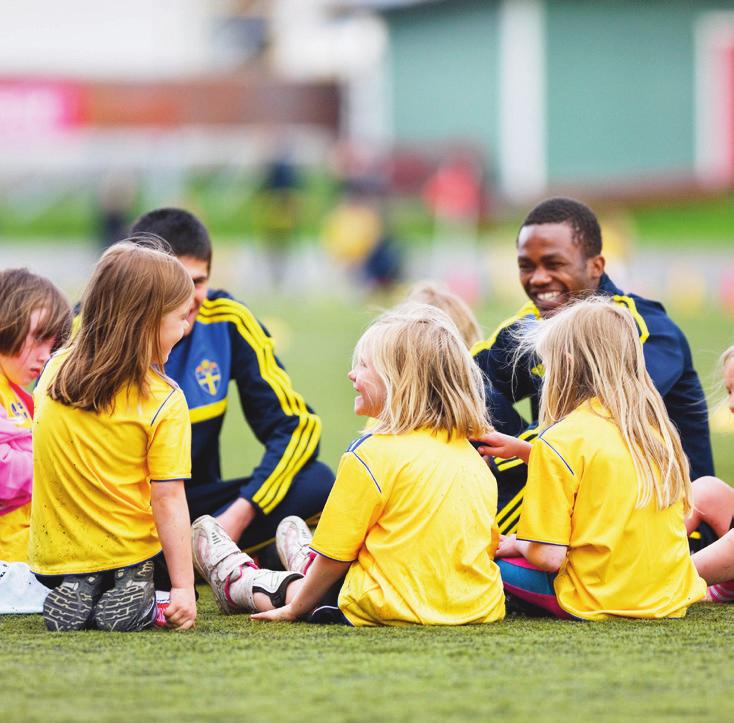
x=439 y=295
x=133 y=286
x=592 y=349
x=430 y=379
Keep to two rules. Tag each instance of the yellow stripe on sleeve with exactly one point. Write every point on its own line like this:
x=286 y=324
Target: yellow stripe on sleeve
x=305 y=437
x=529 y=308
x=300 y=448
x=630 y=304
x=509 y=515
x=208 y=411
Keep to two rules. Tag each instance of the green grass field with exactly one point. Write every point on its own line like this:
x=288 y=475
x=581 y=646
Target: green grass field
x=232 y=669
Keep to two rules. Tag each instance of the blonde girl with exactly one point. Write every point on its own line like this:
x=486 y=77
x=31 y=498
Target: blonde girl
x=408 y=533
x=112 y=448
x=602 y=531
x=34 y=319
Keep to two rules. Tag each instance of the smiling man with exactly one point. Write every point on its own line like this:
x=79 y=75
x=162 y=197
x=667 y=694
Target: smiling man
x=226 y=343
x=559 y=258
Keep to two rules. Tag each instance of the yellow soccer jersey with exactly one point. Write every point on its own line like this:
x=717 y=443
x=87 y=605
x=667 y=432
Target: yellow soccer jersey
x=15 y=525
x=414 y=514
x=93 y=473
x=582 y=493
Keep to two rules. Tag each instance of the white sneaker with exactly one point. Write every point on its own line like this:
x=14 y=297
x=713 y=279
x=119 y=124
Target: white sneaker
x=292 y=540
x=216 y=557
x=231 y=573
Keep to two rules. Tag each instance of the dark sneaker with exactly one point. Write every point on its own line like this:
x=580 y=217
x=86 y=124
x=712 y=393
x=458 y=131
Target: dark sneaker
x=130 y=605
x=71 y=604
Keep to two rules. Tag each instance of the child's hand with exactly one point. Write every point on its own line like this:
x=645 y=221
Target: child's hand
x=284 y=614
x=496 y=444
x=507 y=547
x=181 y=611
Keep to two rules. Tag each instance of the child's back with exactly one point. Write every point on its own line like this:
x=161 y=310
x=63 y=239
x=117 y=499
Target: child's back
x=417 y=517
x=583 y=486
x=92 y=500
x=113 y=450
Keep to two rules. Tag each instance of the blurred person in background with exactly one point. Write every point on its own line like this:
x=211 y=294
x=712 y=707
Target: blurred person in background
x=279 y=204
x=437 y=294
x=227 y=343
x=114 y=208
x=559 y=256
x=357 y=235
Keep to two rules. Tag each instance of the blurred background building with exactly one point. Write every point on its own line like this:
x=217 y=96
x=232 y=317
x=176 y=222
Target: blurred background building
x=567 y=93
x=434 y=123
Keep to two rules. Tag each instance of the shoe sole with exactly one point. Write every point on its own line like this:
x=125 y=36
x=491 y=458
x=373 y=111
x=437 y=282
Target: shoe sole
x=120 y=610
x=65 y=613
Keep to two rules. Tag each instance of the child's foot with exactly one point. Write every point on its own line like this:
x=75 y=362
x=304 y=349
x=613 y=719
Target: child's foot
x=292 y=540
x=70 y=605
x=130 y=605
x=232 y=574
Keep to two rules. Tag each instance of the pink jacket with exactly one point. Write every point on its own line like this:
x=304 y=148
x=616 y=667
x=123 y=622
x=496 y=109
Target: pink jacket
x=16 y=465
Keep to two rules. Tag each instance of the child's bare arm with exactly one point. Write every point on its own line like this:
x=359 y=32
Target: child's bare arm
x=548 y=558
x=304 y=595
x=171 y=515
x=501 y=445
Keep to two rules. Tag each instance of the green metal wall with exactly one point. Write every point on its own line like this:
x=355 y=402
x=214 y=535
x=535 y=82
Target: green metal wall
x=620 y=93
x=443 y=71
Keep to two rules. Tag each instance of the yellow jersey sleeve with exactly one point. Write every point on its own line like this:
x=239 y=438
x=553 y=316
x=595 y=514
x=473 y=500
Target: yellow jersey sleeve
x=355 y=503
x=169 y=448
x=549 y=496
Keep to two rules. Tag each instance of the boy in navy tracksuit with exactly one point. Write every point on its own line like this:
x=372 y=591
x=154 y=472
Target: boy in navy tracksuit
x=559 y=259
x=227 y=343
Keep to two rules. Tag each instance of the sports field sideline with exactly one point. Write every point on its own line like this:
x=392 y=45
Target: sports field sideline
x=232 y=669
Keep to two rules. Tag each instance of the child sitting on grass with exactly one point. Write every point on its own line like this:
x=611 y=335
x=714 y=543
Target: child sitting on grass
x=34 y=319
x=408 y=532
x=602 y=531
x=112 y=448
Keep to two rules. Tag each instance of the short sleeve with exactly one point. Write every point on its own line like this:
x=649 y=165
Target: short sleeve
x=354 y=505
x=169 y=448
x=550 y=494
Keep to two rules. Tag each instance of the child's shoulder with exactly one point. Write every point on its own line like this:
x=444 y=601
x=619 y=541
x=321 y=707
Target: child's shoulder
x=164 y=393
x=373 y=447
x=589 y=425
x=161 y=383
x=358 y=442
x=419 y=442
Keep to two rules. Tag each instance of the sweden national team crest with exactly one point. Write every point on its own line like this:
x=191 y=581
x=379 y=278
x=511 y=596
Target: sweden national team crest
x=208 y=376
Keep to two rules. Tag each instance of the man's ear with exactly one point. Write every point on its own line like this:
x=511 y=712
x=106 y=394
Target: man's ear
x=596 y=266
